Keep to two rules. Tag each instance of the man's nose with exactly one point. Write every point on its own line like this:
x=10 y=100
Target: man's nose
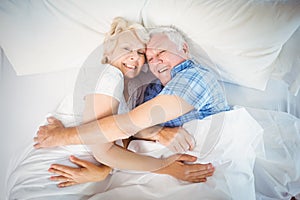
x=155 y=60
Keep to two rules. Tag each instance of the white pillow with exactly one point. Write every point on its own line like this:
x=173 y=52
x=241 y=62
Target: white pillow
x=287 y=65
x=242 y=38
x=46 y=36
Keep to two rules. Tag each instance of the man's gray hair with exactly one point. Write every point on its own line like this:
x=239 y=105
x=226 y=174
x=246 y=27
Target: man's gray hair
x=174 y=34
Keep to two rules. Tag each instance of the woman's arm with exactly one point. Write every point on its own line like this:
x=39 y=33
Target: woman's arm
x=89 y=172
x=98 y=106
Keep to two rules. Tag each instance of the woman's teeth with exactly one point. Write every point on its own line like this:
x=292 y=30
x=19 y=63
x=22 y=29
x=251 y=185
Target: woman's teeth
x=130 y=66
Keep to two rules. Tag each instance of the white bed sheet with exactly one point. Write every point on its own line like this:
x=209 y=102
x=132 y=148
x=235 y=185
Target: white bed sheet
x=233 y=179
x=255 y=157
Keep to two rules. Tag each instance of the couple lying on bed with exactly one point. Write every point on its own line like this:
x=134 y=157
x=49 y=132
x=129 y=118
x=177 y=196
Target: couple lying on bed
x=185 y=91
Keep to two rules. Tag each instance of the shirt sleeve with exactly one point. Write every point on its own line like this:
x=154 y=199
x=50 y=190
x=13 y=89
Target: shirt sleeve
x=189 y=88
x=110 y=82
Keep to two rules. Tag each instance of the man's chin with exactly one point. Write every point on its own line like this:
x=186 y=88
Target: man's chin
x=164 y=80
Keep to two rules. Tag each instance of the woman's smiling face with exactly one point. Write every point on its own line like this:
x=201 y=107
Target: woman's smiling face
x=128 y=54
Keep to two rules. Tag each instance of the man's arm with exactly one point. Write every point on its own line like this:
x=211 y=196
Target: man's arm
x=158 y=110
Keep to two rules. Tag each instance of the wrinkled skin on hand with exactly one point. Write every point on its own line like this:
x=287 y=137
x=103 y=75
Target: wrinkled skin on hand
x=53 y=134
x=177 y=139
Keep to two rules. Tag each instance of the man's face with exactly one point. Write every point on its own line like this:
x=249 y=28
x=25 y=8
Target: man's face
x=163 y=55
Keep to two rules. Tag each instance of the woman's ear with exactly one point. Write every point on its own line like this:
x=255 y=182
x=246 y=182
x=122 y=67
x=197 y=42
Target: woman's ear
x=105 y=59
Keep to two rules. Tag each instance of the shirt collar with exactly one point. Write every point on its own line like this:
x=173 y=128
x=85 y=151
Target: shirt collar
x=181 y=66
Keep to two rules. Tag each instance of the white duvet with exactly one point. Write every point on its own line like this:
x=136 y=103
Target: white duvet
x=255 y=153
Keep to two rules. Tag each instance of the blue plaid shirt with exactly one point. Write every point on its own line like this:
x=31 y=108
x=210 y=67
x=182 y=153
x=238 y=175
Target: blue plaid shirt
x=197 y=86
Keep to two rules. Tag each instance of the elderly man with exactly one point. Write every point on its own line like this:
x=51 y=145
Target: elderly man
x=188 y=92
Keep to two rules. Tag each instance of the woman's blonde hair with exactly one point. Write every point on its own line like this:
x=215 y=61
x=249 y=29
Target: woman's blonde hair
x=118 y=26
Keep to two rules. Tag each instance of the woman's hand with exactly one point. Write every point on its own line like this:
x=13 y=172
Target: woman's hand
x=188 y=172
x=177 y=139
x=87 y=172
x=54 y=134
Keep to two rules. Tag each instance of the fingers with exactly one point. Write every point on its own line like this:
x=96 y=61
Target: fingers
x=199 y=168
x=37 y=146
x=62 y=170
x=40 y=137
x=65 y=181
x=41 y=132
x=53 y=120
x=202 y=174
x=66 y=184
x=79 y=162
x=190 y=141
x=197 y=177
x=38 y=142
x=182 y=142
x=197 y=180
x=176 y=147
x=187 y=158
x=60 y=178
x=198 y=172
x=183 y=146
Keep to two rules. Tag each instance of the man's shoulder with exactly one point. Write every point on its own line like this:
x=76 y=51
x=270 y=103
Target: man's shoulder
x=195 y=70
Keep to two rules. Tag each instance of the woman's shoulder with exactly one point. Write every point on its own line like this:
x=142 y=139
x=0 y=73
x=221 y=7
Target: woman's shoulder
x=113 y=72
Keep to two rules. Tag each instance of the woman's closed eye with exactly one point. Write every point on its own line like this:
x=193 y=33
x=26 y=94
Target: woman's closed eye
x=127 y=49
x=141 y=52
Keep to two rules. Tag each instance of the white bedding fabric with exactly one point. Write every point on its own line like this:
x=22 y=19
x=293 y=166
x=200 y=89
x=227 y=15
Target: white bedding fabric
x=243 y=39
x=256 y=157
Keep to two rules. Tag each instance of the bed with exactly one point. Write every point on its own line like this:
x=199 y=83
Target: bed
x=253 y=45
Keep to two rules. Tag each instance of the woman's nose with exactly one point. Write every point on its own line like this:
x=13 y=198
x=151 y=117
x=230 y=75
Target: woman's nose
x=134 y=56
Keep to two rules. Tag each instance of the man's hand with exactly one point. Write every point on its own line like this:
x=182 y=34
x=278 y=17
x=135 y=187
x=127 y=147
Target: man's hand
x=86 y=172
x=188 y=172
x=176 y=139
x=54 y=134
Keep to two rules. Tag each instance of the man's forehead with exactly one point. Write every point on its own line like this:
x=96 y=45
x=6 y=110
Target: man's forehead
x=159 y=41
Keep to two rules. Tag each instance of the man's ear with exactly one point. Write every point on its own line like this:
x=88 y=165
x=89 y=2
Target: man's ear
x=185 y=48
